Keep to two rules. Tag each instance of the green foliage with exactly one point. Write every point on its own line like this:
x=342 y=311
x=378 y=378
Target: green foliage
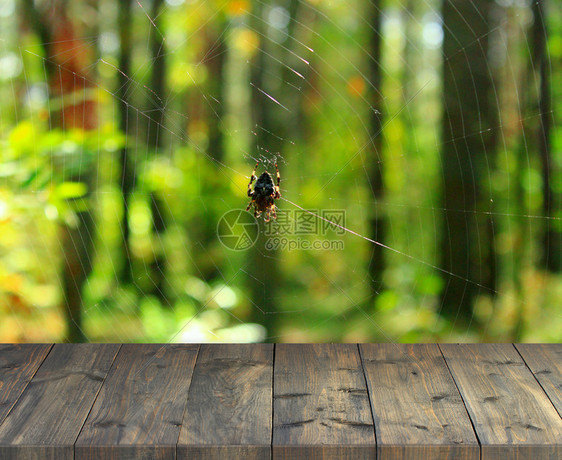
x=49 y=175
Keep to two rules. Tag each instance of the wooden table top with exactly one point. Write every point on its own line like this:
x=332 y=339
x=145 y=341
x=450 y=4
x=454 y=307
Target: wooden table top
x=284 y=401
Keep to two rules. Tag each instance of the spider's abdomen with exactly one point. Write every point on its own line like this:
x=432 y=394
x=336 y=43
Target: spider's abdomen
x=264 y=185
x=264 y=194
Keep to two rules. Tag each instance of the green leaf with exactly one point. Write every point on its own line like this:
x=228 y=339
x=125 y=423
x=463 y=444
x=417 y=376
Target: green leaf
x=23 y=138
x=29 y=180
x=70 y=190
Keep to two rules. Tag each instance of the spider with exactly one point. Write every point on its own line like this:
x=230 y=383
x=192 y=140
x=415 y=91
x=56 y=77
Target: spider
x=264 y=194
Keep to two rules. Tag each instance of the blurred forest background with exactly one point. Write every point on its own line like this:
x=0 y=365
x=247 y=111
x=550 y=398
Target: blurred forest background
x=128 y=128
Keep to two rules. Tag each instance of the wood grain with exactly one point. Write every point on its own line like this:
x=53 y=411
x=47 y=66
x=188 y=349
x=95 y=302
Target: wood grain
x=416 y=406
x=512 y=415
x=321 y=407
x=108 y=402
x=228 y=414
x=46 y=420
x=18 y=364
x=140 y=407
x=545 y=361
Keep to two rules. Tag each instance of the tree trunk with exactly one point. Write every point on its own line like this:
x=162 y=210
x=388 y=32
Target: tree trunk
x=263 y=269
x=468 y=152
x=377 y=222
x=68 y=59
x=208 y=106
x=215 y=60
x=552 y=239
x=156 y=97
x=272 y=123
x=77 y=243
x=127 y=165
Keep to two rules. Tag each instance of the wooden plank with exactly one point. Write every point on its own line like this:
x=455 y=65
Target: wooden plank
x=545 y=361
x=18 y=364
x=417 y=409
x=228 y=414
x=512 y=415
x=139 y=409
x=46 y=420
x=321 y=407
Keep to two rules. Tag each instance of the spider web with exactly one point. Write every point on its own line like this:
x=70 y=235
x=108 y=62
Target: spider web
x=328 y=43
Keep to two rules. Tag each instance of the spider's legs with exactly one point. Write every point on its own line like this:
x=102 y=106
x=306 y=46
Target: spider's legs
x=252 y=179
x=249 y=205
x=274 y=211
x=277 y=192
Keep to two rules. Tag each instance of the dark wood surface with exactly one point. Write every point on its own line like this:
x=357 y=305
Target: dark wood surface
x=321 y=403
x=417 y=408
x=545 y=361
x=229 y=410
x=139 y=411
x=512 y=415
x=47 y=418
x=18 y=363
x=286 y=401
